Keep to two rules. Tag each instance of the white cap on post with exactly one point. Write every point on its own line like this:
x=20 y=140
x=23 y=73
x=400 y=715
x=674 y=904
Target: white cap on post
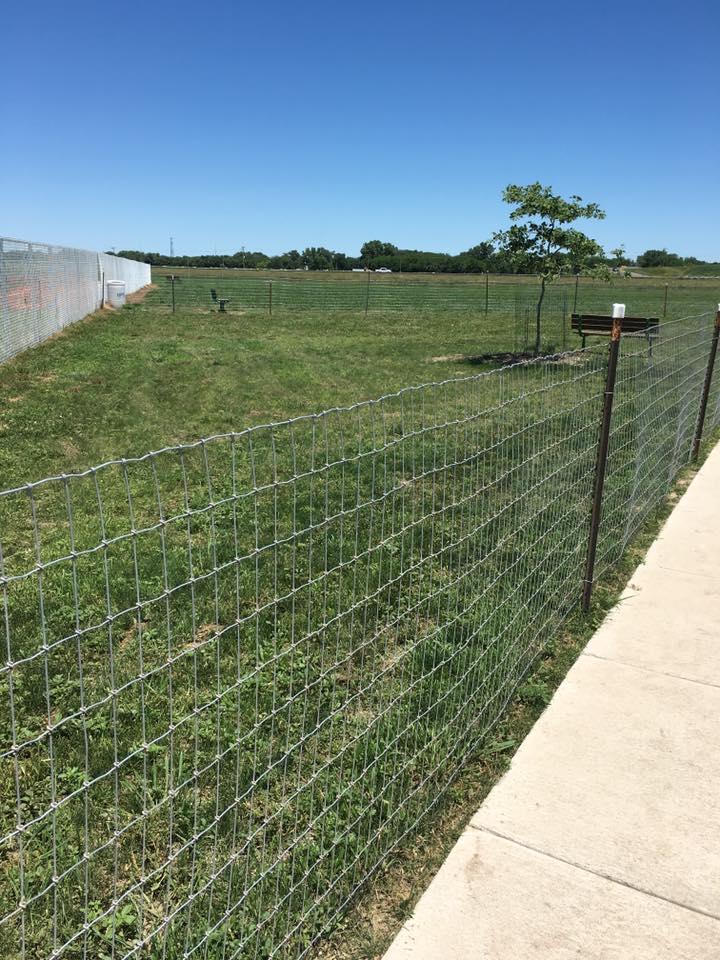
x=618 y=311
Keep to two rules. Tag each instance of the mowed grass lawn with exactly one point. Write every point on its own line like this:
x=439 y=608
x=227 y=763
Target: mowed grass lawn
x=497 y=298
x=122 y=383
x=241 y=674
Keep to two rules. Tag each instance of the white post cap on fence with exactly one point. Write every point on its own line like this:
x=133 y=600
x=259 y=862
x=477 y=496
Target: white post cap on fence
x=618 y=311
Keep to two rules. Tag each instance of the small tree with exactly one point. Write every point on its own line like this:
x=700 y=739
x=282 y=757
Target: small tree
x=618 y=255
x=540 y=239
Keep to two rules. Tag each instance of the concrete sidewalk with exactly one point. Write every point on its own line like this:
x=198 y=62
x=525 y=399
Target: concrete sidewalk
x=603 y=839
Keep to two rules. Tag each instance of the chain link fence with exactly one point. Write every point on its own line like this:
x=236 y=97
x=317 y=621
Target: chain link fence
x=239 y=673
x=43 y=288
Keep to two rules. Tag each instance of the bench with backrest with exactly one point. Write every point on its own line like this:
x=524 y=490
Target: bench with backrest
x=599 y=325
x=221 y=301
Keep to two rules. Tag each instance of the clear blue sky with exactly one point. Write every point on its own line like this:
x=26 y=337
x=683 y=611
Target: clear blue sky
x=280 y=125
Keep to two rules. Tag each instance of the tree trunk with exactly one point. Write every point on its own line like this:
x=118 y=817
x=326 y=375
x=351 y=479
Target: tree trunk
x=538 y=315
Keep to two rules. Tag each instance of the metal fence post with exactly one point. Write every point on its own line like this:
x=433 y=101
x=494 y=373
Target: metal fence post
x=602 y=453
x=487 y=290
x=270 y=296
x=665 y=300
x=367 y=294
x=706 y=386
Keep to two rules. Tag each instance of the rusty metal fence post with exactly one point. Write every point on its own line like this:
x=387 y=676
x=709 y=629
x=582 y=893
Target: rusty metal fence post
x=706 y=387
x=602 y=453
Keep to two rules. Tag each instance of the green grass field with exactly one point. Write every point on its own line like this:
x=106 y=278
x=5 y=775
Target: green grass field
x=122 y=384
x=292 y=639
x=504 y=306
x=311 y=627
x=701 y=270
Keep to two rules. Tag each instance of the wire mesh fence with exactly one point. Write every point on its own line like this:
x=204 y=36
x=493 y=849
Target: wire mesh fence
x=508 y=304
x=240 y=672
x=43 y=288
x=657 y=398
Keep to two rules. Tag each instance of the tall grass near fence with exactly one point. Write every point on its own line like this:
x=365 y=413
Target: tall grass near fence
x=240 y=672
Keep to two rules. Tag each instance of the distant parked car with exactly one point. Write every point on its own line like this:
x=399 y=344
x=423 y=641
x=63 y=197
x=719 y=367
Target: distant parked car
x=383 y=270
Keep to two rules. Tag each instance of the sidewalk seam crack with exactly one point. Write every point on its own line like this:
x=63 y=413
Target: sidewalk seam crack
x=687 y=573
x=596 y=873
x=660 y=673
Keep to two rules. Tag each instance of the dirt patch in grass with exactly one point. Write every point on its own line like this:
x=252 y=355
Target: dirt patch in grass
x=140 y=295
x=503 y=358
x=570 y=359
x=506 y=358
x=70 y=449
x=449 y=358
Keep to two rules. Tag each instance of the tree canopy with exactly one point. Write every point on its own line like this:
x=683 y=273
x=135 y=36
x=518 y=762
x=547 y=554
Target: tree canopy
x=661 y=258
x=541 y=239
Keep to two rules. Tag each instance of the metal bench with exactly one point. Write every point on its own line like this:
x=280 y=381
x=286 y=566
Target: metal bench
x=221 y=301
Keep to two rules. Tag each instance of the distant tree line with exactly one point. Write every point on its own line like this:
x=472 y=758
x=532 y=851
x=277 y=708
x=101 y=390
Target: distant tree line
x=376 y=254
x=661 y=258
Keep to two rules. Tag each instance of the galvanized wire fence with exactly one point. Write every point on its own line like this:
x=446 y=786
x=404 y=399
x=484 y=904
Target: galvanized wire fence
x=655 y=414
x=240 y=672
x=505 y=307
x=43 y=288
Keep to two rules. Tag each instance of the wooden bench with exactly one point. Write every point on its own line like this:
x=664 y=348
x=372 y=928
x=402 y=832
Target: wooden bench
x=599 y=325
